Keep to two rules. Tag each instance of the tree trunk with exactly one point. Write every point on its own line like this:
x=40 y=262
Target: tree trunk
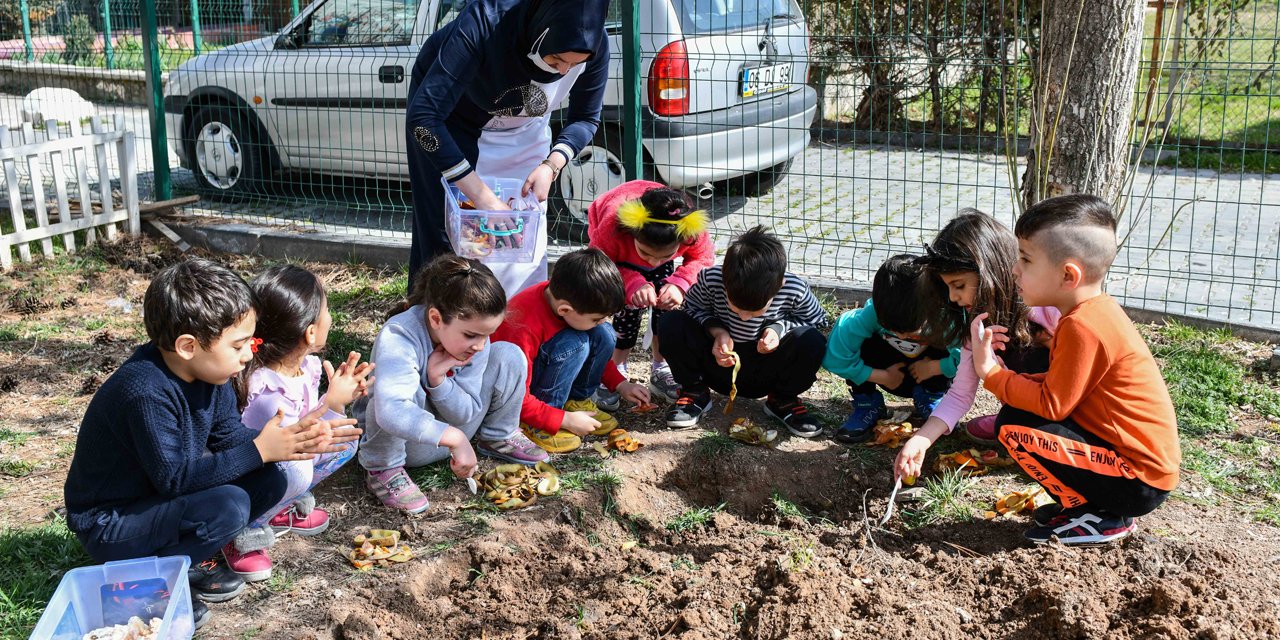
x=1084 y=99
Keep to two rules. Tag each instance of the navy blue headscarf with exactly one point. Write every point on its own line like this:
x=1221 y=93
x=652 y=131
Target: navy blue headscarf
x=559 y=26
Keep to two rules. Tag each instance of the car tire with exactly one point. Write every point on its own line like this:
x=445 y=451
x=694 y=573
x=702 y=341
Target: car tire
x=596 y=169
x=754 y=185
x=226 y=156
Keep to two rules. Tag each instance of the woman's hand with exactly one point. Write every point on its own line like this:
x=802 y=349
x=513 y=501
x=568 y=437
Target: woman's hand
x=539 y=181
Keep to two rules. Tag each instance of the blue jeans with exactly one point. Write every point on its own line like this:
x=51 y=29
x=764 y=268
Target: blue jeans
x=569 y=365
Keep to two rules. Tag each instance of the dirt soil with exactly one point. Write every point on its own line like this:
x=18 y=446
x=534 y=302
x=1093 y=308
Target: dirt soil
x=757 y=568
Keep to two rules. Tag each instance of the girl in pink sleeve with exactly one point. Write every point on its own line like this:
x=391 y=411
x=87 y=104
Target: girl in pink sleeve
x=969 y=270
x=644 y=228
x=284 y=378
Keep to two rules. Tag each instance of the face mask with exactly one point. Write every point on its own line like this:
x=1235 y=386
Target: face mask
x=537 y=57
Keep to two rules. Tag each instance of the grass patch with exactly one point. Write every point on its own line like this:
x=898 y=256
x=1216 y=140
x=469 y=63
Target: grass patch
x=433 y=476
x=784 y=507
x=9 y=333
x=342 y=342
x=16 y=468
x=34 y=561
x=943 y=499
x=280 y=581
x=693 y=519
x=713 y=444
x=15 y=438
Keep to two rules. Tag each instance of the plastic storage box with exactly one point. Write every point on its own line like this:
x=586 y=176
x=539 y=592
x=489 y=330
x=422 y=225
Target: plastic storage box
x=472 y=235
x=90 y=598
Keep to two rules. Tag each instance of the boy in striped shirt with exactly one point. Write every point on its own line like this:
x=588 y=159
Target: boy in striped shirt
x=751 y=312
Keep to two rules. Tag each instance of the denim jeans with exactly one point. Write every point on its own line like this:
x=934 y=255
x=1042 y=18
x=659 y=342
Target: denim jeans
x=569 y=365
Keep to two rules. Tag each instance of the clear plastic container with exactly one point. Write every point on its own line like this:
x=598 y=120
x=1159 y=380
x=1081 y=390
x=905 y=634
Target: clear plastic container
x=90 y=598
x=472 y=235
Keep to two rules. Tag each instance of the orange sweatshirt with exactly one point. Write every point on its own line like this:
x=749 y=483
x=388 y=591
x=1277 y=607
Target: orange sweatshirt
x=1102 y=376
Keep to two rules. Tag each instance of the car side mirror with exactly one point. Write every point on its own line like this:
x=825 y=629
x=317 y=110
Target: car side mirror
x=293 y=39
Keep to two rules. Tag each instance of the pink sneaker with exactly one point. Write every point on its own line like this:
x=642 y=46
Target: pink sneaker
x=254 y=566
x=313 y=524
x=397 y=490
x=981 y=429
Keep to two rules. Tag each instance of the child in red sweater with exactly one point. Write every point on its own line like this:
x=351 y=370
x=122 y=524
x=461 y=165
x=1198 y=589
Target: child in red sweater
x=1098 y=429
x=644 y=227
x=560 y=326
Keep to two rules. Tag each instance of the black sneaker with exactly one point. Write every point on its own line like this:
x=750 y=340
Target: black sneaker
x=1079 y=527
x=199 y=613
x=213 y=581
x=794 y=416
x=687 y=409
x=1044 y=514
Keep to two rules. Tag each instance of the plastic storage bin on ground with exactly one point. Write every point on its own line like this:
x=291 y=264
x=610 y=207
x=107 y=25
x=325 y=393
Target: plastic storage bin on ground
x=118 y=590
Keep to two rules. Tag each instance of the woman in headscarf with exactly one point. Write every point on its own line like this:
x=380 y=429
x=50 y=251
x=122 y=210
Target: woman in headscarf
x=480 y=102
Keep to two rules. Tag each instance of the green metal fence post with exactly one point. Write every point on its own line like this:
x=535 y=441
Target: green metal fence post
x=155 y=106
x=293 y=4
x=632 y=156
x=195 y=26
x=108 y=50
x=26 y=30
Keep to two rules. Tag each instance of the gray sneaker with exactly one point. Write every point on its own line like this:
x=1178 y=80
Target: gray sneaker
x=607 y=400
x=662 y=383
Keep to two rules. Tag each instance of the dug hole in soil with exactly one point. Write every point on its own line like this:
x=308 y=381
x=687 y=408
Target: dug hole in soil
x=560 y=569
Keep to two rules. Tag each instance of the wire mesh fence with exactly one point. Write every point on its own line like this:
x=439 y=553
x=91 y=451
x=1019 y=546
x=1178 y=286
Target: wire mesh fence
x=854 y=128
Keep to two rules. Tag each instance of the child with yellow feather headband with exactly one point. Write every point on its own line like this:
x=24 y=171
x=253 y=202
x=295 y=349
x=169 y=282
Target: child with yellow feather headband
x=644 y=227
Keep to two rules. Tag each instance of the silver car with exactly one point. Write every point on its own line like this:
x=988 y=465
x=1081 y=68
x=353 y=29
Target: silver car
x=725 y=99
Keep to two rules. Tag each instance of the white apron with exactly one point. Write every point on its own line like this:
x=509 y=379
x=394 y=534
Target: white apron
x=512 y=147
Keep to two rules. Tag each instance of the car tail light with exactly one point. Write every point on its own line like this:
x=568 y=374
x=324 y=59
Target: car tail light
x=669 y=81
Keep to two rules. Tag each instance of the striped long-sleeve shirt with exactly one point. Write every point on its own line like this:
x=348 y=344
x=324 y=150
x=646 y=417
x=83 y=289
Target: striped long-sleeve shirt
x=793 y=306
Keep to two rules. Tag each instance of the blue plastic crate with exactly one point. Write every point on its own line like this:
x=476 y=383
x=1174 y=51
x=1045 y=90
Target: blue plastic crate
x=90 y=598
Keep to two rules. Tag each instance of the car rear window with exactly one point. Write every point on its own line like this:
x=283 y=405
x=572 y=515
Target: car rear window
x=709 y=16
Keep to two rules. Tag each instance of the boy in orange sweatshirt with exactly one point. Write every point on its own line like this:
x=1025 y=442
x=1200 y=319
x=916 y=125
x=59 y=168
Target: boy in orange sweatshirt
x=1097 y=430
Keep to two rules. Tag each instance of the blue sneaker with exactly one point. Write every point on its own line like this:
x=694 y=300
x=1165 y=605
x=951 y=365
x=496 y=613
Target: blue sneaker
x=868 y=408
x=926 y=401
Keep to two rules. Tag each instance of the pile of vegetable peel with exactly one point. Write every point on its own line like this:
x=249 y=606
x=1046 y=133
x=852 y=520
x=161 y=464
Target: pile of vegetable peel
x=514 y=486
x=622 y=441
x=1014 y=503
x=743 y=430
x=891 y=435
x=972 y=462
x=380 y=547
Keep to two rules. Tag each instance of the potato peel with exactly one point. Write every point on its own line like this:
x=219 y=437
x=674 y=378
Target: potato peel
x=972 y=462
x=620 y=440
x=380 y=547
x=1014 y=503
x=515 y=486
x=891 y=435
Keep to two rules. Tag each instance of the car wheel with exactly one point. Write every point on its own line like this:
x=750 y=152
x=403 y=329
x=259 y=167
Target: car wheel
x=754 y=185
x=597 y=169
x=226 y=157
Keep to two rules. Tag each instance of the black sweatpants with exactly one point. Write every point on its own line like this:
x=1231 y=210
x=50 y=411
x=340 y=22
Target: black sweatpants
x=626 y=323
x=1073 y=465
x=784 y=374
x=877 y=353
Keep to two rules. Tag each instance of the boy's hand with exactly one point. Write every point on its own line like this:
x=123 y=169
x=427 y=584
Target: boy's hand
x=925 y=368
x=580 y=423
x=890 y=378
x=768 y=341
x=911 y=457
x=982 y=341
x=301 y=441
x=634 y=393
x=671 y=297
x=346 y=383
x=645 y=296
x=722 y=348
x=462 y=460
x=439 y=364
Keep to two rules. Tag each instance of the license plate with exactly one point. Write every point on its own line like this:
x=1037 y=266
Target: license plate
x=758 y=80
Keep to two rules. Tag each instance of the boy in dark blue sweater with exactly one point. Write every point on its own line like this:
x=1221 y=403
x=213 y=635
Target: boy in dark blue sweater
x=163 y=465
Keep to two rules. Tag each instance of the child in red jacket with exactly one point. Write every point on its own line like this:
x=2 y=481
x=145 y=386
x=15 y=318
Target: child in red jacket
x=644 y=227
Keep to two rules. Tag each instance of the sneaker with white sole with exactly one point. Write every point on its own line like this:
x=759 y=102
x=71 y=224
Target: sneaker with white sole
x=607 y=400
x=794 y=416
x=290 y=521
x=1083 y=527
x=518 y=449
x=662 y=383
x=254 y=566
x=688 y=409
x=397 y=490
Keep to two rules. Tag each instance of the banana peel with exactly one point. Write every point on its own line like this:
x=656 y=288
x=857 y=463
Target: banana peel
x=514 y=486
x=622 y=441
x=1014 y=503
x=972 y=462
x=743 y=430
x=890 y=435
x=733 y=381
x=380 y=547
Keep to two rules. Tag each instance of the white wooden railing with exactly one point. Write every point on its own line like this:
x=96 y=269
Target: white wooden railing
x=34 y=163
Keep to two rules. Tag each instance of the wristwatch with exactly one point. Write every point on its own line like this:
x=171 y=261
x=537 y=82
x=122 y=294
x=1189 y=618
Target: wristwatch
x=555 y=173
